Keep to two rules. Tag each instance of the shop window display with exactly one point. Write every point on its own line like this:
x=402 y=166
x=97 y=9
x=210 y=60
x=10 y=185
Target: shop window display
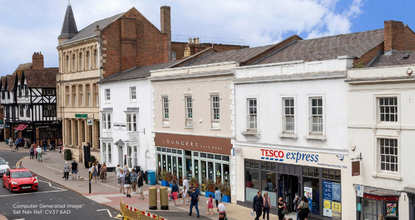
x=311 y=191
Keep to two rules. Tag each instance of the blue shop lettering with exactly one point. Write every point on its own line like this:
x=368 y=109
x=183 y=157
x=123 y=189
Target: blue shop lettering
x=301 y=156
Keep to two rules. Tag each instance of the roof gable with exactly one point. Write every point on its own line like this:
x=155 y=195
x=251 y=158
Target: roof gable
x=44 y=78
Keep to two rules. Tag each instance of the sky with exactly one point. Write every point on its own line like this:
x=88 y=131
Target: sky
x=28 y=26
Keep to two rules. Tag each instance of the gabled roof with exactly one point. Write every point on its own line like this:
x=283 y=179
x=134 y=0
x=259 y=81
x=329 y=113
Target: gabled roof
x=69 y=28
x=136 y=73
x=24 y=66
x=326 y=48
x=41 y=78
x=10 y=82
x=89 y=31
x=396 y=58
x=3 y=82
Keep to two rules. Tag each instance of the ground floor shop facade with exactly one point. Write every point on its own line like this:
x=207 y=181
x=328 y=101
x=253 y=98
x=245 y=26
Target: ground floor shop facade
x=35 y=132
x=323 y=177
x=203 y=157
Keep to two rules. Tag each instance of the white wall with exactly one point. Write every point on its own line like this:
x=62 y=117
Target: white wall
x=120 y=101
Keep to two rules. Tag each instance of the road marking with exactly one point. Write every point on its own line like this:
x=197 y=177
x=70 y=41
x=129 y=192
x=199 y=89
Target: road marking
x=109 y=213
x=50 y=185
x=1 y=196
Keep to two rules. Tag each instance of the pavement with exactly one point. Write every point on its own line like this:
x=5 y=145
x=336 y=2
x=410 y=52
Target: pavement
x=108 y=194
x=30 y=205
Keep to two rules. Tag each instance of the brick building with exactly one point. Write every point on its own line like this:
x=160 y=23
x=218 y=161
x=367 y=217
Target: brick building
x=101 y=49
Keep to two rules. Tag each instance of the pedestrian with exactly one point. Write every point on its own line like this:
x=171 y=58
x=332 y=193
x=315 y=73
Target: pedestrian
x=125 y=160
x=60 y=146
x=304 y=208
x=127 y=182
x=117 y=171
x=140 y=184
x=32 y=151
x=210 y=205
x=296 y=203
x=66 y=170
x=35 y=151
x=44 y=145
x=94 y=172
x=221 y=210
x=257 y=205
x=39 y=154
x=266 y=205
x=10 y=141
x=121 y=176
x=53 y=143
x=16 y=144
x=218 y=196
x=103 y=172
x=74 y=169
x=184 y=195
x=186 y=184
x=133 y=177
x=194 y=202
x=281 y=206
x=125 y=169
x=174 y=191
x=380 y=217
x=99 y=168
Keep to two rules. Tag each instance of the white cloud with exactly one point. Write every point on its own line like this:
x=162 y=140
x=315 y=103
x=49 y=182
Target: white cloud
x=256 y=22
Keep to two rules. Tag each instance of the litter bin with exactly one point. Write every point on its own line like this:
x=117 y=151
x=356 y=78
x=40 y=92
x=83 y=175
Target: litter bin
x=151 y=177
x=152 y=198
x=67 y=155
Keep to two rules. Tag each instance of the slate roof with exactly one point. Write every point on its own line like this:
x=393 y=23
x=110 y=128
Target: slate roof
x=396 y=58
x=239 y=55
x=136 y=72
x=3 y=81
x=41 y=78
x=10 y=82
x=69 y=28
x=325 y=48
x=89 y=31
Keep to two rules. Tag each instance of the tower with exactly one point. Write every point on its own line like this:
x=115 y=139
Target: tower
x=69 y=28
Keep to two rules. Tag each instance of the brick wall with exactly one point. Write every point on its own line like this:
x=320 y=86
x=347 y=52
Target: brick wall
x=367 y=57
x=393 y=35
x=37 y=61
x=409 y=39
x=180 y=46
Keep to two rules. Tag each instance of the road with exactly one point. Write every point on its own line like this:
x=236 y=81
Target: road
x=31 y=205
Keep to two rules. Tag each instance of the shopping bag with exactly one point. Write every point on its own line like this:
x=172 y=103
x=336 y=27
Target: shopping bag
x=252 y=214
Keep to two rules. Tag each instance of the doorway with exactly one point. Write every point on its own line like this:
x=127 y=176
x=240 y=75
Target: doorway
x=120 y=156
x=288 y=186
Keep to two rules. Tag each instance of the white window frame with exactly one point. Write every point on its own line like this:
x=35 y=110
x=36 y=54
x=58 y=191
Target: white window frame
x=188 y=102
x=212 y=107
x=164 y=100
x=377 y=118
x=131 y=125
x=248 y=116
x=107 y=95
x=284 y=116
x=106 y=153
x=106 y=120
x=173 y=55
x=310 y=112
x=377 y=172
x=133 y=93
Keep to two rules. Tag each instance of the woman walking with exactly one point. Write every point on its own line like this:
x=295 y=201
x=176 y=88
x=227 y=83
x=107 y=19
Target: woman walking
x=303 y=208
x=266 y=206
x=66 y=169
x=210 y=204
x=221 y=210
x=103 y=174
x=117 y=171
x=184 y=195
x=127 y=182
x=281 y=206
x=94 y=172
x=32 y=151
x=218 y=196
x=174 y=191
x=10 y=141
x=121 y=177
x=133 y=176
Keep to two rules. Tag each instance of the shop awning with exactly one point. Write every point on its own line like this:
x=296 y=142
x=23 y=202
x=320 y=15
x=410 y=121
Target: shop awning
x=20 y=127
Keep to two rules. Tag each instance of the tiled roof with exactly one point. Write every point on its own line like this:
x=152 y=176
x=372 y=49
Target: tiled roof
x=136 y=73
x=43 y=78
x=3 y=81
x=240 y=55
x=325 y=48
x=396 y=58
x=10 y=82
x=24 y=66
x=89 y=31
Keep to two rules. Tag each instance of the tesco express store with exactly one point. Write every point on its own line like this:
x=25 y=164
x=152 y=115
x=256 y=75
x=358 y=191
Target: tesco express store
x=321 y=177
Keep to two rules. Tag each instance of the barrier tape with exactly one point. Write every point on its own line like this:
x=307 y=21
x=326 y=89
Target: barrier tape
x=126 y=212
x=148 y=214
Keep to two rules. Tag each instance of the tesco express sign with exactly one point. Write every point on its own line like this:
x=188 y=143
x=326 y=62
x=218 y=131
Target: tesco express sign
x=279 y=155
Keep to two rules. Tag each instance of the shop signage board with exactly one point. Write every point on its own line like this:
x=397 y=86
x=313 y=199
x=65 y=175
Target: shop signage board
x=336 y=191
x=336 y=207
x=356 y=168
x=6 y=126
x=359 y=207
x=195 y=143
x=308 y=193
x=360 y=190
x=81 y=115
x=237 y=151
x=327 y=212
x=134 y=138
x=89 y=122
x=391 y=209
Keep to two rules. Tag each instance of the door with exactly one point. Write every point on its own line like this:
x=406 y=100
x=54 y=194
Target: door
x=288 y=186
x=189 y=173
x=129 y=156
x=120 y=156
x=203 y=174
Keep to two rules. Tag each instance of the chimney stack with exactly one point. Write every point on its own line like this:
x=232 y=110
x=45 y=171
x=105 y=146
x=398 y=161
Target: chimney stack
x=37 y=61
x=166 y=27
x=394 y=36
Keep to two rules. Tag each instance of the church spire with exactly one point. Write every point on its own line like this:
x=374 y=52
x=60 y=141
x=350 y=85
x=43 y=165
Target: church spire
x=69 y=28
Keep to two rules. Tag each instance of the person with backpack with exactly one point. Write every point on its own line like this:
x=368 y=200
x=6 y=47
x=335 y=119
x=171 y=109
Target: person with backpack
x=194 y=201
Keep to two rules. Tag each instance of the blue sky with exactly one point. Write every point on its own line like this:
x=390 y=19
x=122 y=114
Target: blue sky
x=27 y=26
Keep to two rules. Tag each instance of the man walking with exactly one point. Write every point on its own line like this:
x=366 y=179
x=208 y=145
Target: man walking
x=194 y=202
x=186 y=184
x=74 y=168
x=133 y=177
x=16 y=144
x=257 y=205
x=140 y=184
x=296 y=203
x=44 y=145
x=39 y=154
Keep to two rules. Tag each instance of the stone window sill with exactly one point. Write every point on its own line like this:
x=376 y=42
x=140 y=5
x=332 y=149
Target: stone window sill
x=185 y=127
x=289 y=136
x=251 y=133
x=387 y=176
x=315 y=137
x=165 y=126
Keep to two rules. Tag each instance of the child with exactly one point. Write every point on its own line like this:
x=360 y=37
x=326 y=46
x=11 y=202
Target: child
x=184 y=195
x=210 y=205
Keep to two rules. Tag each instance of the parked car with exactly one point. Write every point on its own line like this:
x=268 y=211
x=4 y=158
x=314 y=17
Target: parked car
x=20 y=180
x=3 y=166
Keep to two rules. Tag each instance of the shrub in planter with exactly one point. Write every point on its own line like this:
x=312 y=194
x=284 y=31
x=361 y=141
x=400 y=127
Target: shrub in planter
x=93 y=159
x=163 y=177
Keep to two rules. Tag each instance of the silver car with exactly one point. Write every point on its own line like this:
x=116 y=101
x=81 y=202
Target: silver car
x=3 y=166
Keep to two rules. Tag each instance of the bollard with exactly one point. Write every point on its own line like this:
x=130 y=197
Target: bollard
x=164 y=201
x=152 y=198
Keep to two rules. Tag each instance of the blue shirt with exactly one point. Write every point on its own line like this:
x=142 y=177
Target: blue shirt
x=218 y=195
x=133 y=177
x=174 y=188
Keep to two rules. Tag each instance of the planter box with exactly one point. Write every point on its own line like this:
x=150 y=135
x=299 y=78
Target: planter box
x=207 y=193
x=226 y=199
x=170 y=184
x=164 y=183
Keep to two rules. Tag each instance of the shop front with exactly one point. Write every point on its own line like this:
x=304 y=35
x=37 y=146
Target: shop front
x=283 y=173
x=207 y=159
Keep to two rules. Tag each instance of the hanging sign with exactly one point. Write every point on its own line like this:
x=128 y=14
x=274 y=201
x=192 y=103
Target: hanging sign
x=356 y=168
x=360 y=190
x=134 y=139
